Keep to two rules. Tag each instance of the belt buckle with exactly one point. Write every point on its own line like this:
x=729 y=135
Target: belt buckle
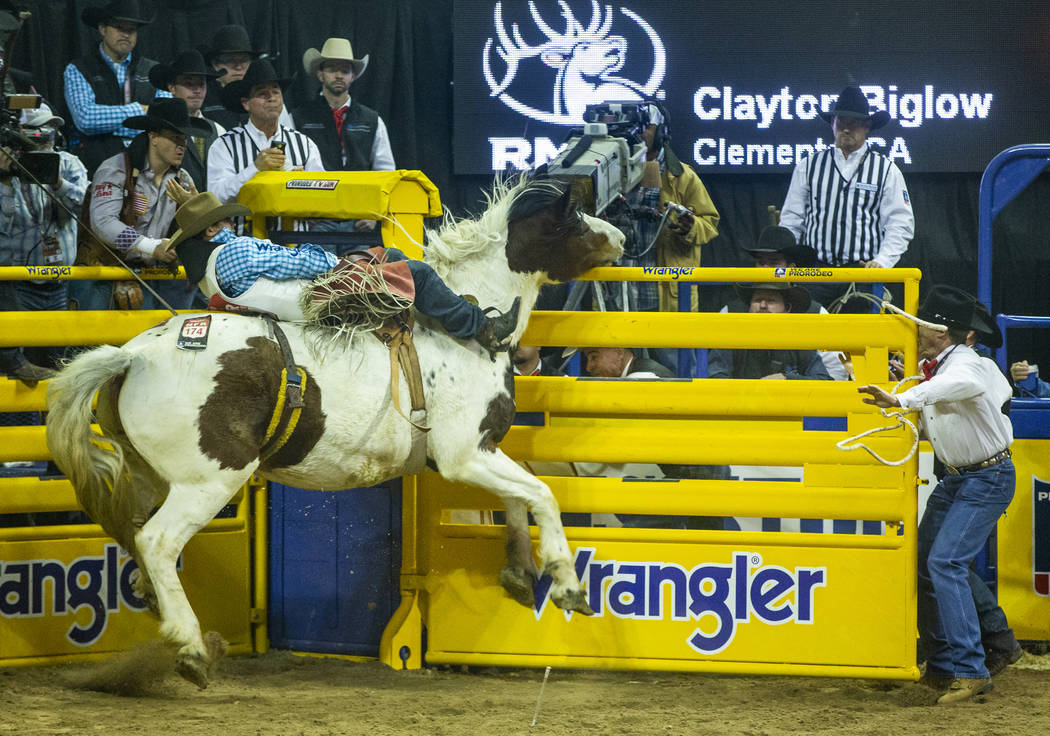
x=952 y=470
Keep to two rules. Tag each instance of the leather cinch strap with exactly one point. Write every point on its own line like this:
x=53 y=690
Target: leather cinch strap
x=397 y=336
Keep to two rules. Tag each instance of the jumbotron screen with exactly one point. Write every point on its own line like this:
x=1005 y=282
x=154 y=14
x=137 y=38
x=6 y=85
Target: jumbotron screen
x=744 y=83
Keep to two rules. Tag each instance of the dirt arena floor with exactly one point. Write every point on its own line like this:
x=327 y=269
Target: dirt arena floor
x=278 y=693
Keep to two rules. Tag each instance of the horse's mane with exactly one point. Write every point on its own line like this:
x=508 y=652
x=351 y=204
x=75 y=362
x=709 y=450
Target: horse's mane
x=509 y=200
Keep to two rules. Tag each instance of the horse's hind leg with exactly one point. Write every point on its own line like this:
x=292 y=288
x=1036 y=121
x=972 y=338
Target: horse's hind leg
x=520 y=574
x=501 y=475
x=160 y=541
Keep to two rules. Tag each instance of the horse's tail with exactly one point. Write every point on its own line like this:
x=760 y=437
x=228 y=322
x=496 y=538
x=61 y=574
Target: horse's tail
x=92 y=468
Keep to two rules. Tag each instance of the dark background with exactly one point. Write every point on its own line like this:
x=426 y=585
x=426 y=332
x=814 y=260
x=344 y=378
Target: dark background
x=410 y=82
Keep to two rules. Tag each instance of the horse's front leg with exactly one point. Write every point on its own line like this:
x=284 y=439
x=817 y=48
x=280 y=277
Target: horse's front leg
x=515 y=485
x=519 y=575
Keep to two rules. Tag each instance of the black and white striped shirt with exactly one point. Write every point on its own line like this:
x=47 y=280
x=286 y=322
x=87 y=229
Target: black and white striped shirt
x=231 y=158
x=850 y=210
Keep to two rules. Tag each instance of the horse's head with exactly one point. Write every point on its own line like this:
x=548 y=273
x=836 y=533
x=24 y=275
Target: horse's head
x=547 y=233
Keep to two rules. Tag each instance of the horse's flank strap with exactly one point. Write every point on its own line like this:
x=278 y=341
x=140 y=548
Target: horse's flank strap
x=396 y=334
x=290 y=395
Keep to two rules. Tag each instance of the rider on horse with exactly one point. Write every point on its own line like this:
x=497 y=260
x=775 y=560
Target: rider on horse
x=248 y=271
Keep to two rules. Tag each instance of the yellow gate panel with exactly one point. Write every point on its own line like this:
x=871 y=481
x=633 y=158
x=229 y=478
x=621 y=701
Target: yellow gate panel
x=1027 y=610
x=65 y=597
x=714 y=607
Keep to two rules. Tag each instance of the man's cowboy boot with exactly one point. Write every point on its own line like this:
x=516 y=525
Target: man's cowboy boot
x=495 y=330
x=964 y=688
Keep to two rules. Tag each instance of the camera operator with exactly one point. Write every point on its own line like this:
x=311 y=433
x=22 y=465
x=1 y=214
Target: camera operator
x=36 y=231
x=678 y=242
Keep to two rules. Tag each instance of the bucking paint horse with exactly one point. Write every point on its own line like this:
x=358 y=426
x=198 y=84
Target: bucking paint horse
x=182 y=430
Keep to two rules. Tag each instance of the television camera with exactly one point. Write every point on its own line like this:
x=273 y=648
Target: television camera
x=22 y=146
x=606 y=157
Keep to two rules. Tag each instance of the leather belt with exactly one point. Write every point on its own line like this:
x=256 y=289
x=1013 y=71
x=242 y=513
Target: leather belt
x=993 y=460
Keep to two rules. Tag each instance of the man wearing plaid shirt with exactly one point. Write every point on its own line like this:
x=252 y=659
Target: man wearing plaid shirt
x=35 y=230
x=109 y=84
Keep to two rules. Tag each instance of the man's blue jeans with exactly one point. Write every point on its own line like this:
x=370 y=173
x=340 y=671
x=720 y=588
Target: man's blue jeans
x=460 y=318
x=961 y=513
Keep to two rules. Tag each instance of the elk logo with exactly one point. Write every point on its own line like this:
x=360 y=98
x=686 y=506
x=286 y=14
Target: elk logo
x=586 y=61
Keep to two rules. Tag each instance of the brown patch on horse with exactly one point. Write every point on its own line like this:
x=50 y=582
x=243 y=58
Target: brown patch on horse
x=547 y=233
x=234 y=418
x=499 y=415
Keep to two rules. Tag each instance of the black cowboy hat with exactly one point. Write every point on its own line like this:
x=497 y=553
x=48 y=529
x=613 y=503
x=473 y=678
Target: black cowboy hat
x=188 y=63
x=960 y=310
x=777 y=239
x=126 y=11
x=989 y=333
x=169 y=113
x=853 y=104
x=231 y=39
x=795 y=296
x=260 y=72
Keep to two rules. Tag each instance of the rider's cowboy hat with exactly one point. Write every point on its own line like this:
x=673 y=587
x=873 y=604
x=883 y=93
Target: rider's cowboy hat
x=187 y=64
x=960 y=310
x=853 y=104
x=123 y=11
x=197 y=213
x=260 y=72
x=231 y=39
x=795 y=296
x=200 y=211
x=169 y=113
x=777 y=239
x=334 y=49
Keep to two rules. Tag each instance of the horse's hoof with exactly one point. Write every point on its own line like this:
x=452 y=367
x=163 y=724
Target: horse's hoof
x=573 y=600
x=519 y=585
x=198 y=668
x=192 y=667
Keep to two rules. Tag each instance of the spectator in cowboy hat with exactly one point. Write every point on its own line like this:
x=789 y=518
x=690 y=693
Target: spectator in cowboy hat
x=777 y=248
x=108 y=84
x=230 y=53
x=964 y=401
x=247 y=149
x=350 y=136
x=136 y=223
x=186 y=78
x=849 y=177
x=772 y=298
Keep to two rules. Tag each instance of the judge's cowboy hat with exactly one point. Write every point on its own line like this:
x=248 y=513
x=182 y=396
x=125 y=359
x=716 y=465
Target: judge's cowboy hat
x=231 y=39
x=959 y=310
x=169 y=113
x=777 y=239
x=122 y=11
x=795 y=297
x=334 y=49
x=186 y=64
x=853 y=104
x=259 y=72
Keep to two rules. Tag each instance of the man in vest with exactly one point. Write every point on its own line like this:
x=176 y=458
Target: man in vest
x=262 y=143
x=350 y=136
x=109 y=84
x=187 y=79
x=848 y=201
x=230 y=53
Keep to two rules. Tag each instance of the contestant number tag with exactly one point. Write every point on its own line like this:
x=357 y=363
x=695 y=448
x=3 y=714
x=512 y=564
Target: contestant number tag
x=194 y=334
